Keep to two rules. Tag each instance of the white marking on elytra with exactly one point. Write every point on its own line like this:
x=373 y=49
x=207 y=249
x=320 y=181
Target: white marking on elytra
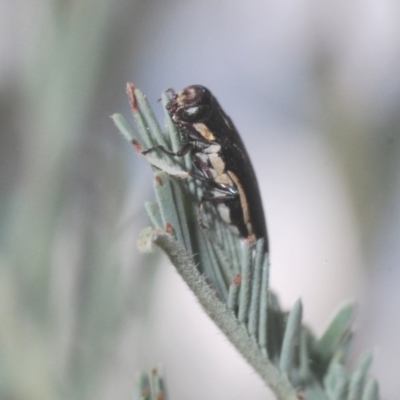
x=204 y=131
x=212 y=149
x=224 y=179
x=217 y=163
x=211 y=157
x=243 y=201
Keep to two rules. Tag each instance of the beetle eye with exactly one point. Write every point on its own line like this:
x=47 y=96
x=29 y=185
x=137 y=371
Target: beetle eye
x=193 y=114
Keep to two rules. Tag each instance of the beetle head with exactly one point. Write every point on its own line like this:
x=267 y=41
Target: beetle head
x=192 y=104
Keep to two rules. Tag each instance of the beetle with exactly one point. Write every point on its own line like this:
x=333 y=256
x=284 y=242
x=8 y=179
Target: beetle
x=220 y=160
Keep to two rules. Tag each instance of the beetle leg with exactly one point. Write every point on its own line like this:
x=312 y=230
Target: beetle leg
x=228 y=196
x=185 y=148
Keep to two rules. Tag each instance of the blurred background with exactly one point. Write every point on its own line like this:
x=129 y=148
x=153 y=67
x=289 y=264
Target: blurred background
x=314 y=89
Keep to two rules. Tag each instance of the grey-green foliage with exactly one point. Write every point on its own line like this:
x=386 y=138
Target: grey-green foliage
x=66 y=300
x=150 y=386
x=230 y=279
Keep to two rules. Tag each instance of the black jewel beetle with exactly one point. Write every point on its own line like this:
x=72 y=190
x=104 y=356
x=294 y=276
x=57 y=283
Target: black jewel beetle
x=220 y=160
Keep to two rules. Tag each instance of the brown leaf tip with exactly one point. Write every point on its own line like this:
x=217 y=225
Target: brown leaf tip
x=160 y=396
x=236 y=280
x=168 y=227
x=159 y=180
x=130 y=91
x=137 y=146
